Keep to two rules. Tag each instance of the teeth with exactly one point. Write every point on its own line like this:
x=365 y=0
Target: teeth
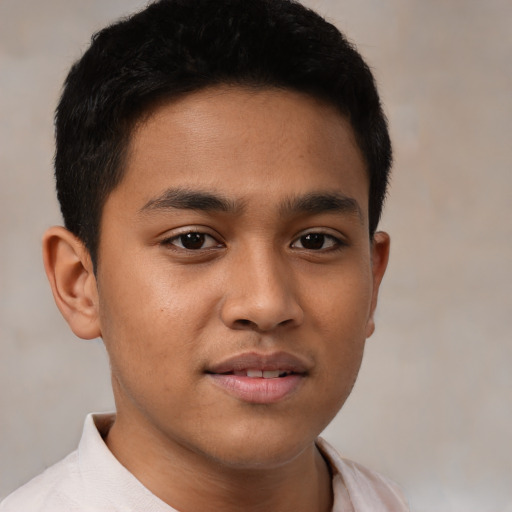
x=267 y=374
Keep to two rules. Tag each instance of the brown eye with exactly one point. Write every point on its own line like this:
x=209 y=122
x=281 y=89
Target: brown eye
x=313 y=241
x=317 y=242
x=193 y=241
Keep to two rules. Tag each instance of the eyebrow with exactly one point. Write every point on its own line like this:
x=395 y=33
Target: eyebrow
x=313 y=203
x=185 y=199
x=322 y=202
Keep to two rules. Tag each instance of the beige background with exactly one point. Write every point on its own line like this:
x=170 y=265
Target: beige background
x=433 y=405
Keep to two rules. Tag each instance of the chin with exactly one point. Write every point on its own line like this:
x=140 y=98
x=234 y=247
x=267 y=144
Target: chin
x=254 y=449
x=254 y=458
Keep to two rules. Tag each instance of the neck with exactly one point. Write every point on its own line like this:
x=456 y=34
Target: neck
x=190 y=482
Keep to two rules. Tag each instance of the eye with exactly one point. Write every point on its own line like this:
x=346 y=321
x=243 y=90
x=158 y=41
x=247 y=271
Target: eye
x=317 y=242
x=192 y=241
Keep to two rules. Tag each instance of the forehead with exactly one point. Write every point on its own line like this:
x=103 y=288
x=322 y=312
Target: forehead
x=244 y=142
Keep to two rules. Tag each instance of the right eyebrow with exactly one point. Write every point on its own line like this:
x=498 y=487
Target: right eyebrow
x=187 y=199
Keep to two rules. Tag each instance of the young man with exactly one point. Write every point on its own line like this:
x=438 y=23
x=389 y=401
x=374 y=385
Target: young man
x=221 y=168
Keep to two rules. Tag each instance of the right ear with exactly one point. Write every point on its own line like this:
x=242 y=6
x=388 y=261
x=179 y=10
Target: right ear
x=69 y=269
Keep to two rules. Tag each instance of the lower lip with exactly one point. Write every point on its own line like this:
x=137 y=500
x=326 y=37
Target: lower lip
x=258 y=390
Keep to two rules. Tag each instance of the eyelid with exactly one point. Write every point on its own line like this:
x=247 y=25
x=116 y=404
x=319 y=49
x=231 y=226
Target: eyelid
x=338 y=238
x=202 y=230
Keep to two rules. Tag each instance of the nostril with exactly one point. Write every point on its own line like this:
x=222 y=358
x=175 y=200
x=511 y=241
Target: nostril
x=244 y=323
x=261 y=313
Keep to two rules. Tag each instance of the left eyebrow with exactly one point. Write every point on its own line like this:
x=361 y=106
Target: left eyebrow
x=321 y=202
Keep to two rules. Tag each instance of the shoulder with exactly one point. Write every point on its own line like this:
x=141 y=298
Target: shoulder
x=367 y=489
x=56 y=489
x=90 y=479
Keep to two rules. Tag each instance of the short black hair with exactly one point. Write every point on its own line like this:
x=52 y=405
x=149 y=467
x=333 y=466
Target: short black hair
x=174 y=47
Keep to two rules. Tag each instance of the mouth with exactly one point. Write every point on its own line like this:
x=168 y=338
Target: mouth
x=261 y=374
x=260 y=378
x=254 y=364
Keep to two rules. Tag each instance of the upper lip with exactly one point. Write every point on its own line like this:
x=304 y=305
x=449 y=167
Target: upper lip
x=283 y=361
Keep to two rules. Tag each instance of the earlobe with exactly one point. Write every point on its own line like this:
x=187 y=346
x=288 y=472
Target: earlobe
x=69 y=269
x=380 y=255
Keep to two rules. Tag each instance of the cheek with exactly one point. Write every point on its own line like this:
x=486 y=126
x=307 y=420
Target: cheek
x=341 y=315
x=151 y=321
x=145 y=295
x=340 y=306
x=133 y=316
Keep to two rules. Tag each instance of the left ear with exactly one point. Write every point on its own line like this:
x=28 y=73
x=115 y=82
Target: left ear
x=380 y=255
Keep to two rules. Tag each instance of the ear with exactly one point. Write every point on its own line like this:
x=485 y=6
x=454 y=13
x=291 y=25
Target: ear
x=380 y=255
x=69 y=269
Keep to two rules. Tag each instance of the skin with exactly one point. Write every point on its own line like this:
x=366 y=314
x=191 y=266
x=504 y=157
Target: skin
x=251 y=281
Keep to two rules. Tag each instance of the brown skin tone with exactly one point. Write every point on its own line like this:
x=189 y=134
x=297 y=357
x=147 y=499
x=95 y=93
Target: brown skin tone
x=271 y=270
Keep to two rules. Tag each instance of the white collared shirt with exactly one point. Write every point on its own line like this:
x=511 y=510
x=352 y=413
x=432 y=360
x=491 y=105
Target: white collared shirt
x=91 y=479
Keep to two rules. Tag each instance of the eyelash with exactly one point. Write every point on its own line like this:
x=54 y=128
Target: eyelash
x=336 y=243
x=179 y=237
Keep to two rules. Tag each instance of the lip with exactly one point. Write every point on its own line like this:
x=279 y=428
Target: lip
x=259 y=390
x=259 y=361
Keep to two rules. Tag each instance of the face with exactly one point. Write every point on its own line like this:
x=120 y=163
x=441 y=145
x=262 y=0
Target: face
x=236 y=277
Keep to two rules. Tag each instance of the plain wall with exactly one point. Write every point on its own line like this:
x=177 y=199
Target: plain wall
x=432 y=408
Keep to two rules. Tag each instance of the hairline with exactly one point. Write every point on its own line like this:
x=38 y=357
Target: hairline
x=159 y=100
x=144 y=114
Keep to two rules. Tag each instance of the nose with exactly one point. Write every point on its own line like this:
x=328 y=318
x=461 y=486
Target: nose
x=260 y=294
